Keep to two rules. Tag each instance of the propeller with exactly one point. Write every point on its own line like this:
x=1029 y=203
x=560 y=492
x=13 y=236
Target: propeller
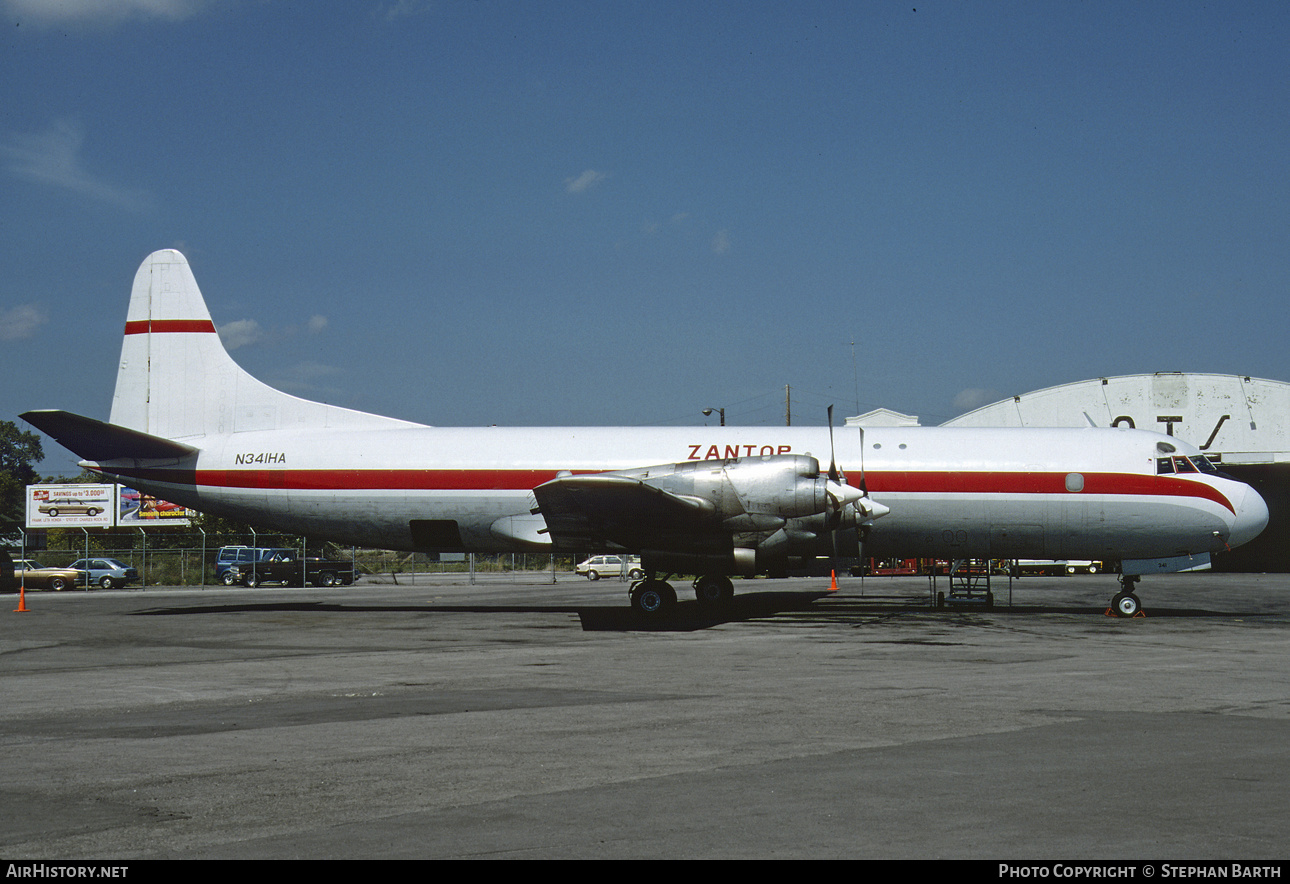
x=833 y=461
x=842 y=495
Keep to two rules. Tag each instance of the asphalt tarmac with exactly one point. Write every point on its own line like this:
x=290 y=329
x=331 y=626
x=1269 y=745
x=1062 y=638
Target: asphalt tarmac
x=530 y=720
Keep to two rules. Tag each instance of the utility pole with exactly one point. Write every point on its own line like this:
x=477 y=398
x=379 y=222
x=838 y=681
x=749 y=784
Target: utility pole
x=856 y=372
x=788 y=407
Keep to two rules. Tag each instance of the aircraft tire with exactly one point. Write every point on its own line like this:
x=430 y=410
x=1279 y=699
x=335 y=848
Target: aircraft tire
x=653 y=598
x=711 y=590
x=1126 y=604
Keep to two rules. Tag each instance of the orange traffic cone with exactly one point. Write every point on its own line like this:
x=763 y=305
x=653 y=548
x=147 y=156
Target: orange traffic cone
x=834 y=586
x=22 y=599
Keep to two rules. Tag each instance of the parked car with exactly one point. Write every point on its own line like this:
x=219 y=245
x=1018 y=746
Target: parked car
x=107 y=573
x=230 y=557
x=610 y=566
x=284 y=566
x=34 y=575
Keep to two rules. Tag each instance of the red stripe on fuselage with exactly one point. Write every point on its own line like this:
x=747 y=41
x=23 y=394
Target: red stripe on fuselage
x=157 y=326
x=378 y=480
x=950 y=482
x=911 y=482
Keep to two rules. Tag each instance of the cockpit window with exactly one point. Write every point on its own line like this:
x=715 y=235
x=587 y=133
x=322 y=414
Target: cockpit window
x=1181 y=464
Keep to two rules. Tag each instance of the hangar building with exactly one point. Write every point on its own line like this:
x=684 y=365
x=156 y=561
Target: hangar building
x=1241 y=423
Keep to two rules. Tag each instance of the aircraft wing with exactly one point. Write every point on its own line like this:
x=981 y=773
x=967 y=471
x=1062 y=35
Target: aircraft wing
x=605 y=510
x=99 y=441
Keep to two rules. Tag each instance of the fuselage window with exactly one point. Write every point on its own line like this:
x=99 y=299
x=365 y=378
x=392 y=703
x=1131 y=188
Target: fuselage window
x=1183 y=465
x=1164 y=465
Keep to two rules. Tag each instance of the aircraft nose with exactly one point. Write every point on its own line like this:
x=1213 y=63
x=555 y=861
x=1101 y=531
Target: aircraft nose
x=1251 y=518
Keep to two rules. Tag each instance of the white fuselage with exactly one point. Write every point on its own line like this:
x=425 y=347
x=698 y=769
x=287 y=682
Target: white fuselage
x=998 y=493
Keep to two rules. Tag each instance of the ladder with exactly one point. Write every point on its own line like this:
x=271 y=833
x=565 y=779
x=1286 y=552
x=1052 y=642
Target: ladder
x=969 y=583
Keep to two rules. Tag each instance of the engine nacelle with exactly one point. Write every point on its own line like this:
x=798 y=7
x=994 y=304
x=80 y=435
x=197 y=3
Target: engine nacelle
x=737 y=516
x=752 y=493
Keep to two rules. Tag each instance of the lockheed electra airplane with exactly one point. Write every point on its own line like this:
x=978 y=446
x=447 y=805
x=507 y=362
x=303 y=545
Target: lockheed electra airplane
x=190 y=426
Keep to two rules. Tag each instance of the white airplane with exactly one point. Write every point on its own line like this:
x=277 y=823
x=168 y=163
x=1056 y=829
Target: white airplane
x=190 y=426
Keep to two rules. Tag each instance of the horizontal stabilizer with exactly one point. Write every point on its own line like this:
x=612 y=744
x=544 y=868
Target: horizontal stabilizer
x=99 y=441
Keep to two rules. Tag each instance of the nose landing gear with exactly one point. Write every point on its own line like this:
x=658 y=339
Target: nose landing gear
x=1125 y=603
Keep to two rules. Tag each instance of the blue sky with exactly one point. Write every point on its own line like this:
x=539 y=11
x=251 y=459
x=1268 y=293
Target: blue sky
x=525 y=213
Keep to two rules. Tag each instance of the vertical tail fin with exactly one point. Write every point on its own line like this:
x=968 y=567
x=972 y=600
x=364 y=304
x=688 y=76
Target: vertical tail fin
x=177 y=381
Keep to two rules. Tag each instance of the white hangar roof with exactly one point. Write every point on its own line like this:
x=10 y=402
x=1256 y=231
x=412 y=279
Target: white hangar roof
x=1245 y=419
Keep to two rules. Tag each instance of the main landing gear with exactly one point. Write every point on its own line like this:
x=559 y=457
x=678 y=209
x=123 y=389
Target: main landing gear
x=653 y=597
x=1125 y=603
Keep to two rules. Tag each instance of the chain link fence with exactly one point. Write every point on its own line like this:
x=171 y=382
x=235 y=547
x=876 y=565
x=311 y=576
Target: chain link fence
x=180 y=559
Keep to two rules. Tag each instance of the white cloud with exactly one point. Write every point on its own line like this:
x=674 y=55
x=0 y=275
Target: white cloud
x=53 y=157
x=973 y=398
x=249 y=333
x=21 y=322
x=240 y=333
x=721 y=242
x=583 y=182
x=50 y=12
x=403 y=8
x=309 y=379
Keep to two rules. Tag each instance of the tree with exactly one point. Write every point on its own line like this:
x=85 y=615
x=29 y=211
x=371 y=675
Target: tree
x=19 y=451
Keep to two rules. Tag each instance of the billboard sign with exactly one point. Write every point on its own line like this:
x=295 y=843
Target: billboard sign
x=70 y=506
x=100 y=506
x=137 y=508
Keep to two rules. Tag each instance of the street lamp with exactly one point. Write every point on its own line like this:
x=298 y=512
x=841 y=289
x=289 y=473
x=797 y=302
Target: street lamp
x=707 y=412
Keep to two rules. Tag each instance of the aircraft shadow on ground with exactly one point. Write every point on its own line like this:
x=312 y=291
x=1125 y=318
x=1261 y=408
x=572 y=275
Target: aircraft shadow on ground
x=690 y=616
x=685 y=616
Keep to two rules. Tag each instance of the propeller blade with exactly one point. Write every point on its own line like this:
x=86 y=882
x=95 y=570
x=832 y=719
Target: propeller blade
x=833 y=461
x=833 y=488
x=864 y=489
